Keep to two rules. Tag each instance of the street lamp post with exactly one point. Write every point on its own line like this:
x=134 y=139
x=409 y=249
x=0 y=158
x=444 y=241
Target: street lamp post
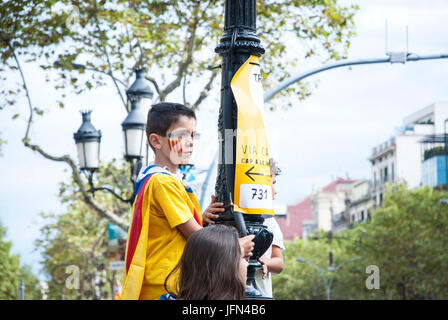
x=88 y=140
x=238 y=43
x=140 y=90
x=327 y=282
x=134 y=138
x=136 y=146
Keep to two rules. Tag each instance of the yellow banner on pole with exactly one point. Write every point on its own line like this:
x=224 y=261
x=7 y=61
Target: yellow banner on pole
x=253 y=190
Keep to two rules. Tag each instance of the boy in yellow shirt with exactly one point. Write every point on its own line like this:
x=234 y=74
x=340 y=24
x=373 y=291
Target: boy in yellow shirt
x=165 y=211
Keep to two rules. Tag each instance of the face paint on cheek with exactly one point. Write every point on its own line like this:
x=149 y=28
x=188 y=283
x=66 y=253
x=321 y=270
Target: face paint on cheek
x=175 y=144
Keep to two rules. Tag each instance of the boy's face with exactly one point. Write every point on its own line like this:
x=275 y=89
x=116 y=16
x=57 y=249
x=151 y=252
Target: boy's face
x=177 y=145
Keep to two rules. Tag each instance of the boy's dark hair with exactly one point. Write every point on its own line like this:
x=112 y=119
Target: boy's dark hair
x=162 y=115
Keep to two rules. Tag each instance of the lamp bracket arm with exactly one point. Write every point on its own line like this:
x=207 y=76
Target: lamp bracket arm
x=92 y=190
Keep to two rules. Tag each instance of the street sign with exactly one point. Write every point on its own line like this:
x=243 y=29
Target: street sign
x=116 y=247
x=116 y=265
x=253 y=190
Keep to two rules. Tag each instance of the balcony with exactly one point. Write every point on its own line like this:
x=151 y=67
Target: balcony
x=433 y=152
x=434 y=170
x=434 y=164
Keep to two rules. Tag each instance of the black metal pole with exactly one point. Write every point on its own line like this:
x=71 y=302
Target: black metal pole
x=238 y=43
x=236 y=46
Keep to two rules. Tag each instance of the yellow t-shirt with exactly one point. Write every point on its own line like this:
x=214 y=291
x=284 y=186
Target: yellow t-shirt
x=169 y=206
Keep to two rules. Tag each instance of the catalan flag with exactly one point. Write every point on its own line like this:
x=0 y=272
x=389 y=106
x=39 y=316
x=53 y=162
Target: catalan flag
x=175 y=144
x=136 y=251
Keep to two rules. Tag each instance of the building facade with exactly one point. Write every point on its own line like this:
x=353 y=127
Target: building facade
x=322 y=209
x=417 y=154
x=400 y=158
x=361 y=202
x=329 y=205
x=434 y=155
x=296 y=222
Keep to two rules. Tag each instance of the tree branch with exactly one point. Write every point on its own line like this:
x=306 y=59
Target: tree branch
x=183 y=89
x=110 y=216
x=78 y=66
x=183 y=65
x=154 y=82
x=101 y=34
x=205 y=90
x=76 y=174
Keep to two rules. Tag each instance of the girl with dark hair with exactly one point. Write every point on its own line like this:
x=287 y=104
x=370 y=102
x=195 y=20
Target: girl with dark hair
x=212 y=266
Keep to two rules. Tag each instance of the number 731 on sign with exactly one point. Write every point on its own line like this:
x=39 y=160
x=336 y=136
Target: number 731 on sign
x=256 y=196
x=260 y=194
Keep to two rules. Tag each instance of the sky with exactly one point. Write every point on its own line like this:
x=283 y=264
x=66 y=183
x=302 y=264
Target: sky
x=330 y=134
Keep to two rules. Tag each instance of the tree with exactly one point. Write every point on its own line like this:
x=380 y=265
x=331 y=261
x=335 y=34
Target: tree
x=299 y=281
x=405 y=242
x=94 y=43
x=11 y=274
x=77 y=238
x=302 y=281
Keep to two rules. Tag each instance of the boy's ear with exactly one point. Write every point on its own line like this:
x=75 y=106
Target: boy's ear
x=155 y=141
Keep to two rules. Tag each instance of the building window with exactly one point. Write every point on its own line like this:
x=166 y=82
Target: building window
x=362 y=215
x=385 y=174
x=381 y=199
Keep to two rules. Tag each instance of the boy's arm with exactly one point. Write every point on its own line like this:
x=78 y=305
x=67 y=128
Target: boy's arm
x=170 y=195
x=189 y=227
x=211 y=211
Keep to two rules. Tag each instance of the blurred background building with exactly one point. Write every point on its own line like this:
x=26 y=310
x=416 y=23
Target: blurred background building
x=416 y=154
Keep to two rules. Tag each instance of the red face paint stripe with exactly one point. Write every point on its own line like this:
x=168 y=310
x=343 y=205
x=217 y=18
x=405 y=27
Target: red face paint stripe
x=175 y=144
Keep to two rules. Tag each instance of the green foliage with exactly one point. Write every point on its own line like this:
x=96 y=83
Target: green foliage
x=322 y=28
x=406 y=240
x=27 y=29
x=78 y=237
x=299 y=281
x=11 y=273
x=436 y=151
x=173 y=40
x=302 y=280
